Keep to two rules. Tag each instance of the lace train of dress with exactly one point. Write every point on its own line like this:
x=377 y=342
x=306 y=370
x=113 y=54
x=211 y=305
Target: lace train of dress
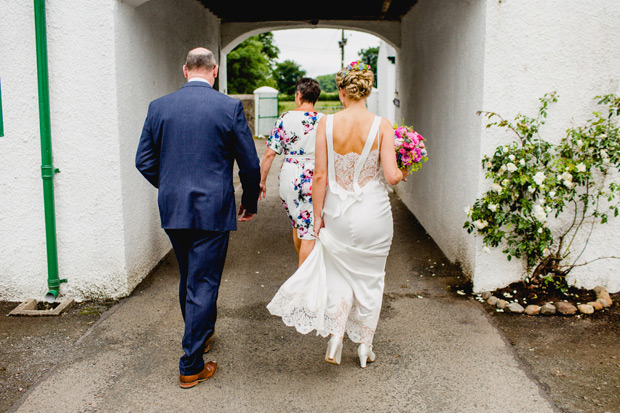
x=339 y=287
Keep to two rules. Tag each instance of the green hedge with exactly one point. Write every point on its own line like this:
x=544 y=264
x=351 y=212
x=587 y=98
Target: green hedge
x=323 y=97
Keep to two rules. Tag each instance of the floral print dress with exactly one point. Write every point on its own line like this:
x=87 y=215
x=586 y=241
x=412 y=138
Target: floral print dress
x=294 y=136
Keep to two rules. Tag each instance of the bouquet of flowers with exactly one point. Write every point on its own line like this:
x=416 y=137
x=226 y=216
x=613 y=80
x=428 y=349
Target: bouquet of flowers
x=410 y=148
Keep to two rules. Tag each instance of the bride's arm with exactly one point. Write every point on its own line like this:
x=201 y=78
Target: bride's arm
x=319 y=178
x=388 y=154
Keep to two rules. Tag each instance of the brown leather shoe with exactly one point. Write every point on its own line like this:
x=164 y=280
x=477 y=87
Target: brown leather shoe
x=187 y=382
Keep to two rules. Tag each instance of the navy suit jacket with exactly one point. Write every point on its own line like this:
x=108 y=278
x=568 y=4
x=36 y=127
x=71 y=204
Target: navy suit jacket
x=189 y=142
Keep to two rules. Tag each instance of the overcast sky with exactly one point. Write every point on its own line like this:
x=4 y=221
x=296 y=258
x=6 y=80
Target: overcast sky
x=317 y=51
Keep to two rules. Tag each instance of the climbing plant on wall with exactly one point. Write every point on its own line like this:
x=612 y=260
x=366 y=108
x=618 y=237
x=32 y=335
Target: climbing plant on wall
x=533 y=182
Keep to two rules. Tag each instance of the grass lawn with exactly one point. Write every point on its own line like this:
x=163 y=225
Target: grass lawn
x=321 y=106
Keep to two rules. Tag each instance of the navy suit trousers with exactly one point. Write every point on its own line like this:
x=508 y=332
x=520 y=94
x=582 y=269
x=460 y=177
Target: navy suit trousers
x=201 y=256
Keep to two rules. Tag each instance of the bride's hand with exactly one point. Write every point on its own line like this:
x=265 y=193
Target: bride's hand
x=263 y=191
x=405 y=172
x=318 y=224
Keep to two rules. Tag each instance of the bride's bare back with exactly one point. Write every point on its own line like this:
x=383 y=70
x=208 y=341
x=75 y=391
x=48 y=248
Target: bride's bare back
x=351 y=129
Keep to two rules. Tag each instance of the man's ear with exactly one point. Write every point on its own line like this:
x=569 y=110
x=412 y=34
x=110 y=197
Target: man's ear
x=185 y=71
x=215 y=69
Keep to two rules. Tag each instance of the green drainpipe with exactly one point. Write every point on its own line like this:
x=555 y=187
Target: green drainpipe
x=47 y=168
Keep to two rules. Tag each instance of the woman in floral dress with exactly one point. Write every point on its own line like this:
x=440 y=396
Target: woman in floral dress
x=293 y=136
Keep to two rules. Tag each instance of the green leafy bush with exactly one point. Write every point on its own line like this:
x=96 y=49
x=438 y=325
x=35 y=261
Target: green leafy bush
x=533 y=180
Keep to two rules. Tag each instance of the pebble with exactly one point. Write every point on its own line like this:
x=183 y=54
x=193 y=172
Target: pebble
x=565 y=308
x=492 y=300
x=602 y=296
x=548 y=309
x=486 y=295
x=532 y=309
x=596 y=305
x=585 y=309
x=502 y=304
x=515 y=308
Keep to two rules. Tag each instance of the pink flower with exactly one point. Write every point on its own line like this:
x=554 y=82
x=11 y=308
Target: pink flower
x=306 y=187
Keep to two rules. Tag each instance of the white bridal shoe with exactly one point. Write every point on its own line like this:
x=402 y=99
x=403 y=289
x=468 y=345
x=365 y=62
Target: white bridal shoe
x=365 y=353
x=334 y=350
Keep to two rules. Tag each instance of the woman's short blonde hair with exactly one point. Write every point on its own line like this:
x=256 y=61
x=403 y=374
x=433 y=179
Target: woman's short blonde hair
x=356 y=80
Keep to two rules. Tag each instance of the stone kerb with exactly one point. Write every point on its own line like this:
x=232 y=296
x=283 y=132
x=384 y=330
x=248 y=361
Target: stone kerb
x=603 y=300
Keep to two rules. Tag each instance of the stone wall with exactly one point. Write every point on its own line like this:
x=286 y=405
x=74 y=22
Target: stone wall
x=248 y=109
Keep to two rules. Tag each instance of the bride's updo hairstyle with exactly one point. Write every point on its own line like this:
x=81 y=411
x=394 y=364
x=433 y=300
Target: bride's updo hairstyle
x=356 y=80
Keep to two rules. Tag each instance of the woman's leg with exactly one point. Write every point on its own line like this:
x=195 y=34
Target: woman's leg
x=305 y=248
x=296 y=241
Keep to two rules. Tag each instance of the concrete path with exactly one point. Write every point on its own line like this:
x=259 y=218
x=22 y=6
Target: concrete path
x=436 y=352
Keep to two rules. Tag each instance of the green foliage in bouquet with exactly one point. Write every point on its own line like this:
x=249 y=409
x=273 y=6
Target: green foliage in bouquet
x=533 y=180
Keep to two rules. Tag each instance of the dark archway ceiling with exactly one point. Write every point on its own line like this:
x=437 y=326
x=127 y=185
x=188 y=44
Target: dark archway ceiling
x=280 y=10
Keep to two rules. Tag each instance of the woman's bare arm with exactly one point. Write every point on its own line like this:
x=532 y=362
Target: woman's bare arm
x=388 y=154
x=265 y=165
x=319 y=178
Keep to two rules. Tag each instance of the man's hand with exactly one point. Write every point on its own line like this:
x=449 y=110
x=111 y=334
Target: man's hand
x=245 y=215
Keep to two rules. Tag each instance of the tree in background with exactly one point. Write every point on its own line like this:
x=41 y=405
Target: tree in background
x=250 y=64
x=328 y=83
x=286 y=75
x=370 y=56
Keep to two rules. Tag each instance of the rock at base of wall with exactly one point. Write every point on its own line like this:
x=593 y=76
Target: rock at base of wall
x=565 y=308
x=585 y=309
x=501 y=304
x=596 y=305
x=515 y=308
x=533 y=309
x=492 y=300
x=548 y=309
x=602 y=296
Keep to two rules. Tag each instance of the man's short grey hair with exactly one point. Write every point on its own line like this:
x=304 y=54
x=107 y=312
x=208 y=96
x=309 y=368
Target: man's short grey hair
x=200 y=60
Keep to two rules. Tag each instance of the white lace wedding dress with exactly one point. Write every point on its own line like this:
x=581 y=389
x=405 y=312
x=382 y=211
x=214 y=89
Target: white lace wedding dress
x=339 y=287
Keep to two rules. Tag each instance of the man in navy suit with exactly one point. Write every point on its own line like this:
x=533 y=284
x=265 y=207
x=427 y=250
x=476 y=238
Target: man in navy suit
x=189 y=142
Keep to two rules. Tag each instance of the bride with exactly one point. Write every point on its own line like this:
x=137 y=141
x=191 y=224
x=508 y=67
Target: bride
x=339 y=288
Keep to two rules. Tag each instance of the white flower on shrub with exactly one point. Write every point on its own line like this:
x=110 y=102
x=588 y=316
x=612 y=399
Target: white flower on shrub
x=511 y=167
x=502 y=169
x=505 y=182
x=496 y=187
x=539 y=178
x=511 y=157
x=480 y=224
x=581 y=167
x=546 y=252
x=566 y=176
x=492 y=207
x=539 y=213
x=522 y=162
x=531 y=189
x=551 y=194
x=468 y=210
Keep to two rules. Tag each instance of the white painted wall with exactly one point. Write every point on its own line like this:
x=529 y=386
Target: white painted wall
x=458 y=57
x=152 y=42
x=440 y=86
x=106 y=62
x=386 y=82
